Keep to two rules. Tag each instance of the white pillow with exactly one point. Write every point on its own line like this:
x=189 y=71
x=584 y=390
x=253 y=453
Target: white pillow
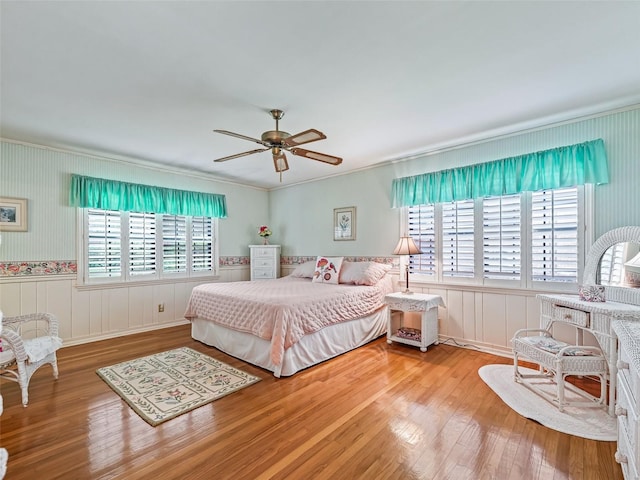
x=305 y=270
x=363 y=273
x=327 y=270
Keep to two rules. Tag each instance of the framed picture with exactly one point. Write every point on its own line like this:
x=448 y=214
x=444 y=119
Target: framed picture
x=344 y=223
x=13 y=214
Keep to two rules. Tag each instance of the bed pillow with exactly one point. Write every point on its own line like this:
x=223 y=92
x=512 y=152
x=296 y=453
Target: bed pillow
x=305 y=270
x=327 y=270
x=363 y=273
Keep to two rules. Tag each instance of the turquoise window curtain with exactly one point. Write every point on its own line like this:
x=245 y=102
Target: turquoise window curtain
x=548 y=169
x=89 y=192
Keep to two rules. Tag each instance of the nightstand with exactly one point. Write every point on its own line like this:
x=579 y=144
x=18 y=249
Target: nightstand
x=265 y=261
x=414 y=302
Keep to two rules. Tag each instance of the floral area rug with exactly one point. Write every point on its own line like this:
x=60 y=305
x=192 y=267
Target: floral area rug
x=162 y=386
x=591 y=423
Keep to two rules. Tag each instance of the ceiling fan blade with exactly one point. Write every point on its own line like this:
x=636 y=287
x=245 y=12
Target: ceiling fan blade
x=321 y=157
x=311 y=135
x=231 y=157
x=243 y=137
x=280 y=162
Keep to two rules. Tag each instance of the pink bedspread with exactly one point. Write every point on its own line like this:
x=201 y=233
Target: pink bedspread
x=285 y=309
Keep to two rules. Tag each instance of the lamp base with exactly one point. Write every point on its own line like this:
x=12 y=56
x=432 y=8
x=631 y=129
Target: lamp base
x=407 y=292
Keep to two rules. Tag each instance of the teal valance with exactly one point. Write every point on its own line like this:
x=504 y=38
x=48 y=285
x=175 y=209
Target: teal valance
x=90 y=192
x=548 y=169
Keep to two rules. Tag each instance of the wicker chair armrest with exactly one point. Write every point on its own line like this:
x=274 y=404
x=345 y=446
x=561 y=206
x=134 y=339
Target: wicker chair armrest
x=15 y=343
x=49 y=318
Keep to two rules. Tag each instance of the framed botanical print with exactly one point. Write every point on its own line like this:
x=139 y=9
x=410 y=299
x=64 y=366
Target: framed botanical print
x=344 y=223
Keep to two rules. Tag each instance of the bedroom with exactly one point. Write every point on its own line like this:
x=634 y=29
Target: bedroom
x=300 y=213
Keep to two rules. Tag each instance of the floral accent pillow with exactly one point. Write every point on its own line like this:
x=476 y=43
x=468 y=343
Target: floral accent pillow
x=363 y=273
x=305 y=270
x=327 y=270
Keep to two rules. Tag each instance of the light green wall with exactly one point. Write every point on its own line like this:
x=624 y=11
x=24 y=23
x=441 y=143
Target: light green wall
x=303 y=214
x=42 y=176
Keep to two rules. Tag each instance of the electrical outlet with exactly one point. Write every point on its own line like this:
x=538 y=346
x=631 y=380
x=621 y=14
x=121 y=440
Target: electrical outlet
x=161 y=307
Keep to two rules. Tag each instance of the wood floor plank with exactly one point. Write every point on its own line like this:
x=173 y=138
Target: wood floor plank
x=379 y=412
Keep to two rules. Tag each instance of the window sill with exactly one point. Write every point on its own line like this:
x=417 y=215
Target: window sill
x=468 y=287
x=145 y=283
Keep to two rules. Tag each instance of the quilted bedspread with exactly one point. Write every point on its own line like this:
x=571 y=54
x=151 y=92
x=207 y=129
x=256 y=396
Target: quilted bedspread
x=283 y=310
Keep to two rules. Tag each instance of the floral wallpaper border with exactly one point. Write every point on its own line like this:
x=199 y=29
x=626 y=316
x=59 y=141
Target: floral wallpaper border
x=36 y=269
x=70 y=267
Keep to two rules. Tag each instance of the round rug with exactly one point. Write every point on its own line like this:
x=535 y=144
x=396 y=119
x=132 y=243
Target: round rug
x=591 y=423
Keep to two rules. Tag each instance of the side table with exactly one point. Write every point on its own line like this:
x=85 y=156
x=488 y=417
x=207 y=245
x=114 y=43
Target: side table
x=414 y=302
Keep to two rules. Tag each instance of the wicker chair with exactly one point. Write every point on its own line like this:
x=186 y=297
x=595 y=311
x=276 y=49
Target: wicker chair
x=28 y=342
x=557 y=360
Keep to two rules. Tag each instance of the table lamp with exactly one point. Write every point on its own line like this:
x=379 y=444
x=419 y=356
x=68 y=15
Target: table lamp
x=406 y=246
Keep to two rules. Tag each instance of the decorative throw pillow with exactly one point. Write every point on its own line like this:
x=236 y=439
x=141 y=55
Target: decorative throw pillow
x=305 y=270
x=363 y=273
x=327 y=270
x=591 y=293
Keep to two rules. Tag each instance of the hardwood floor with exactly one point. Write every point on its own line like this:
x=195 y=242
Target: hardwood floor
x=379 y=412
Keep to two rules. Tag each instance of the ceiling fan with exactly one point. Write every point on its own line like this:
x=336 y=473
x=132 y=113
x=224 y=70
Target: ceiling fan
x=278 y=141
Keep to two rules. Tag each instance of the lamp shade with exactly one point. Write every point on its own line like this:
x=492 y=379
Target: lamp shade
x=634 y=264
x=406 y=246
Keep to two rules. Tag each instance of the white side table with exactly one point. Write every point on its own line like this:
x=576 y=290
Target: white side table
x=415 y=302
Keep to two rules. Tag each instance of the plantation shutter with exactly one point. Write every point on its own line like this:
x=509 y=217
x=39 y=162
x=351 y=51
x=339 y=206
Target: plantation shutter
x=104 y=245
x=501 y=237
x=422 y=229
x=554 y=235
x=174 y=243
x=457 y=239
x=142 y=243
x=201 y=244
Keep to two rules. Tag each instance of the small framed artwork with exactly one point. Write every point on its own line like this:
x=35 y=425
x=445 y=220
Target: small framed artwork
x=13 y=214
x=344 y=223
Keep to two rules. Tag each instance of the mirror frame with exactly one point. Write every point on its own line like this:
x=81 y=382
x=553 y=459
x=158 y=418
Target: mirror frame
x=617 y=235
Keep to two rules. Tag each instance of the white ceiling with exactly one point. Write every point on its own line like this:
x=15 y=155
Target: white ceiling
x=383 y=80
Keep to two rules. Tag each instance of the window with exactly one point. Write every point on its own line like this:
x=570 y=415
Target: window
x=132 y=246
x=422 y=229
x=457 y=239
x=501 y=237
x=554 y=235
x=512 y=240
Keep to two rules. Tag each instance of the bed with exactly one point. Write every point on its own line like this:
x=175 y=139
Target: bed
x=287 y=324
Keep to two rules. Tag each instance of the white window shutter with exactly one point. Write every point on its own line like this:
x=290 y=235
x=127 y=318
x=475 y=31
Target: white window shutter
x=142 y=244
x=501 y=237
x=103 y=244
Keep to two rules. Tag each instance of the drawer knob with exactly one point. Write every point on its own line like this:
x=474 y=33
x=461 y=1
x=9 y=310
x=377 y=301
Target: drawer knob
x=621 y=411
x=621 y=365
x=621 y=457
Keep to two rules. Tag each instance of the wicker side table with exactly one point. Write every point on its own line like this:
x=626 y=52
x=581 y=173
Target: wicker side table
x=414 y=302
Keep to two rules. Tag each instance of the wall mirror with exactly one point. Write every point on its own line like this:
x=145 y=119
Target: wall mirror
x=614 y=261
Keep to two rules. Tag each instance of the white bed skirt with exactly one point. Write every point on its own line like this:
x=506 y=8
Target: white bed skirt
x=310 y=350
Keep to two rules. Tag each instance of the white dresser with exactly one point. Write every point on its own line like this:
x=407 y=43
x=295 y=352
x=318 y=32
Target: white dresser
x=265 y=261
x=628 y=401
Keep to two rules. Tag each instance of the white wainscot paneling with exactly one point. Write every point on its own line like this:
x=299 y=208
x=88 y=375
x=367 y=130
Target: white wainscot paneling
x=94 y=314
x=484 y=319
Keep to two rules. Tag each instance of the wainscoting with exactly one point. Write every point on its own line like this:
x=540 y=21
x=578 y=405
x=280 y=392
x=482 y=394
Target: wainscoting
x=481 y=317
x=90 y=314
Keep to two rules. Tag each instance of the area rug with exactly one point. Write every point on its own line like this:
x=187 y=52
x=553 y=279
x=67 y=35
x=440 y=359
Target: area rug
x=162 y=386
x=591 y=423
